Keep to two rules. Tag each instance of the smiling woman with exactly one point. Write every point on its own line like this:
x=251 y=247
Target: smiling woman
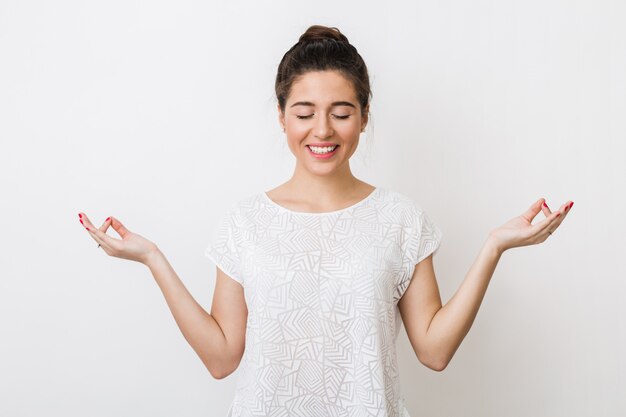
x=314 y=276
x=323 y=122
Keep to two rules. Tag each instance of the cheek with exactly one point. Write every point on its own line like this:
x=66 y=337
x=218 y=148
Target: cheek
x=295 y=139
x=296 y=135
x=349 y=130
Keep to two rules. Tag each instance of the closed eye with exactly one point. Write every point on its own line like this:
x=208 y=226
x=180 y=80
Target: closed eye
x=309 y=116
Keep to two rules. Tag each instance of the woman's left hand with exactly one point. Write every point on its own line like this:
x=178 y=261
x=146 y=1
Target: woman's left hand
x=520 y=232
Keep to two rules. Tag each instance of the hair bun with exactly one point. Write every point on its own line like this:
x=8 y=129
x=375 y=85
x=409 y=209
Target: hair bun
x=319 y=32
x=322 y=48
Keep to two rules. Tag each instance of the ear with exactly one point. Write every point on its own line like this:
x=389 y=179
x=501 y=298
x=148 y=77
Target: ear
x=281 y=117
x=365 y=118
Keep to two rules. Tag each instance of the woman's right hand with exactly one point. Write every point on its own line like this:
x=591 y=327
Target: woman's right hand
x=132 y=246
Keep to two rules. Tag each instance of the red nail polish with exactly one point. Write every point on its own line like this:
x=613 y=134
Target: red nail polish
x=558 y=214
x=80 y=215
x=81 y=222
x=107 y=219
x=571 y=204
x=544 y=204
x=87 y=228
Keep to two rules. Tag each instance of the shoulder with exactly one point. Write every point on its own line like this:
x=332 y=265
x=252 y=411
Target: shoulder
x=402 y=207
x=248 y=208
x=245 y=203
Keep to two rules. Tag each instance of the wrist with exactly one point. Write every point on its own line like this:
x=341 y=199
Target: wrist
x=493 y=246
x=152 y=257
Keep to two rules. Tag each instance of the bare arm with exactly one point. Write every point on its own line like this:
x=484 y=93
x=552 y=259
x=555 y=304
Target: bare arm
x=436 y=332
x=219 y=351
x=218 y=338
x=435 y=340
x=452 y=322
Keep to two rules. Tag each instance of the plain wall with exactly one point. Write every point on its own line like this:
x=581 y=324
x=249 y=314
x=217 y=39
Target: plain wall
x=163 y=114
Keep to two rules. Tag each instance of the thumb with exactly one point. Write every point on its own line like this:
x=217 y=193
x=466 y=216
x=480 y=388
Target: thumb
x=533 y=209
x=119 y=227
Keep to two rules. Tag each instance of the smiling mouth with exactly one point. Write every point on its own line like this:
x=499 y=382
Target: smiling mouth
x=323 y=150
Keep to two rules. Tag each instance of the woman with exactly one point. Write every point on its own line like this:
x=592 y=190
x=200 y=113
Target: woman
x=314 y=275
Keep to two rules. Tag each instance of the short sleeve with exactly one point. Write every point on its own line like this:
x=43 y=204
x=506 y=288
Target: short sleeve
x=423 y=239
x=223 y=248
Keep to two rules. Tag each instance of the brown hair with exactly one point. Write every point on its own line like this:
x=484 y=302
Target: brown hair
x=323 y=48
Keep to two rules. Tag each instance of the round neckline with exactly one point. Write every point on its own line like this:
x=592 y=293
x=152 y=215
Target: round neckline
x=324 y=213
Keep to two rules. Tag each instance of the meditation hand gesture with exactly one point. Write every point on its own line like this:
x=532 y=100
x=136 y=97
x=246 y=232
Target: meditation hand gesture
x=520 y=232
x=132 y=246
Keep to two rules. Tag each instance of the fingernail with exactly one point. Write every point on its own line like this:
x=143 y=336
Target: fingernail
x=80 y=215
x=544 y=204
x=571 y=204
x=81 y=222
x=107 y=219
x=87 y=228
x=558 y=214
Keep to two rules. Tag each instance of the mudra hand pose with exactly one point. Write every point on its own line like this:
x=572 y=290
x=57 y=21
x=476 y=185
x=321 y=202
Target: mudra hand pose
x=313 y=276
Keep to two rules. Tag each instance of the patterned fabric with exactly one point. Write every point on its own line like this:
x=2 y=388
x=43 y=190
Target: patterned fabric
x=322 y=292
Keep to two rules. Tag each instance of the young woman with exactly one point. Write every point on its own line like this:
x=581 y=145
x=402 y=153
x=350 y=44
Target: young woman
x=314 y=275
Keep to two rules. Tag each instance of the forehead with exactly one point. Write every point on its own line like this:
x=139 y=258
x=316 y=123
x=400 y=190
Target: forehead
x=322 y=87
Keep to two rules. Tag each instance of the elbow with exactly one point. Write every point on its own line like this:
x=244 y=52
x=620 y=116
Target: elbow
x=218 y=374
x=438 y=366
x=434 y=362
x=222 y=369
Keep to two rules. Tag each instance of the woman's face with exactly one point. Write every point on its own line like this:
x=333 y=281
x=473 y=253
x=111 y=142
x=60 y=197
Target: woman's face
x=322 y=109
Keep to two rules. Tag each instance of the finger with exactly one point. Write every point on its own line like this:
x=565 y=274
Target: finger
x=85 y=221
x=103 y=238
x=101 y=242
x=546 y=210
x=119 y=227
x=533 y=210
x=105 y=225
x=564 y=210
x=547 y=224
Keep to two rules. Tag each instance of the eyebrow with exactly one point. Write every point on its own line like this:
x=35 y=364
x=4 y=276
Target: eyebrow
x=336 y=103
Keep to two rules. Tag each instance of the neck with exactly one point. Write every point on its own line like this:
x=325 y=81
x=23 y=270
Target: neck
x=323 y=189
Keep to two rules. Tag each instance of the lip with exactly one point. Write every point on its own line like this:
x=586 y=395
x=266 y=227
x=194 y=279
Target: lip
x=321 y=145
x=323 y=156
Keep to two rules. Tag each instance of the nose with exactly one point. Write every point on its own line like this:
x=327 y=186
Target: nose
x=323 y=129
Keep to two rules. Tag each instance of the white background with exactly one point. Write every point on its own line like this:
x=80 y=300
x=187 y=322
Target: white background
x=163 y=114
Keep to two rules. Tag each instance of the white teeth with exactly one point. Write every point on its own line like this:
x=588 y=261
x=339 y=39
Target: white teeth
x=326 y=149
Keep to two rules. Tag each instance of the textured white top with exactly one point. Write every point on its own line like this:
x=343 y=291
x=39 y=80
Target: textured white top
x=322 y=292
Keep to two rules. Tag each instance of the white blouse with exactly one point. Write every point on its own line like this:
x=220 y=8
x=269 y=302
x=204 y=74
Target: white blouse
x=322 y=292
